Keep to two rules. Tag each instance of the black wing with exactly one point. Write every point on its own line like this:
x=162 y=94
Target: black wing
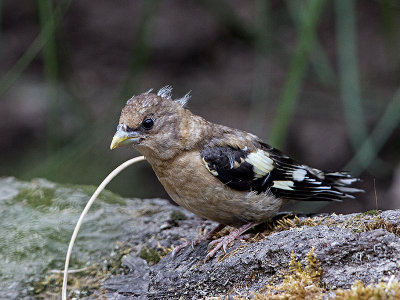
x=268 y=170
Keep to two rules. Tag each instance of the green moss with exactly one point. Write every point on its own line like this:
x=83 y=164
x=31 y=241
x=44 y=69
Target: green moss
x=299 y=282
x=372 y=212
x=105 y=196
x=152 y=256
x=380 y=223
x=177 y=215
x=148 y=211
x=36 y=197
x=359 y=290
x=367 y=221
x=86 y=280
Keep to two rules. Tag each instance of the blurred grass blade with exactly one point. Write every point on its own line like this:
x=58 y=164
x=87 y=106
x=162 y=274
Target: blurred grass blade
x=227 y=17
x=140 y=49
x=287 y=102
x=50 y=64
x=48 y=32
x=261 y=67
x=1 y=22
x=390 y=26
x=318 y=59
x=349 y=78
x=381 y=133
x=18 y=68
x=12 y=75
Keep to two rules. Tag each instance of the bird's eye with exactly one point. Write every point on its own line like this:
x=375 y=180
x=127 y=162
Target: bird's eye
x=148 y=123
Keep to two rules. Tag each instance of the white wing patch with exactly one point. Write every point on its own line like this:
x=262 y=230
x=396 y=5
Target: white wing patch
x=299 y=174
x=348 y=181
x=215 y=173
x=261 y=163
x=283 y=185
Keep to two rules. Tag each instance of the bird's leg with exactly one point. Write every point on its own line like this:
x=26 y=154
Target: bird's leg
x=193 y=243
x=224 y=241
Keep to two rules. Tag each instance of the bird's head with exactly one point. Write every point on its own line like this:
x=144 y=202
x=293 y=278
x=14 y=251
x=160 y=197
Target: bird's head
x=151 y=122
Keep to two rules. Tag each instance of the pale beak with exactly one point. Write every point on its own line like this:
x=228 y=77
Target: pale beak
x=123 y=137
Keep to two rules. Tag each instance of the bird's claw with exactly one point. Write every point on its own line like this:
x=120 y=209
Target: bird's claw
x=193 y=243
x=177 y=249
x=198 y=240
x=217 y=244
x=224 y=242
x=220 y=243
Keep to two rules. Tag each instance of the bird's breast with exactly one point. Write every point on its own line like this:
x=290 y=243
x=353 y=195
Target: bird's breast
x=192 y=186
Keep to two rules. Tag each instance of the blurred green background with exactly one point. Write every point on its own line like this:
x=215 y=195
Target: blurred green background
x=318 y=79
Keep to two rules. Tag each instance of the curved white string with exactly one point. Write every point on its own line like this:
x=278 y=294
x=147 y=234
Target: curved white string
x=101 y=187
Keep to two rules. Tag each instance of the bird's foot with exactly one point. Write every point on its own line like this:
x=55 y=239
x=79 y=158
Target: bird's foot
x=224 y=241
x=198 y=240
x=185 y=244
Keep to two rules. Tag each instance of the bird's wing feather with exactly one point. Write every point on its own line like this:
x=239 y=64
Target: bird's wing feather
x=266 y=169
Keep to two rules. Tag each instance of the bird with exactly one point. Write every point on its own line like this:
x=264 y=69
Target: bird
x=219 y=173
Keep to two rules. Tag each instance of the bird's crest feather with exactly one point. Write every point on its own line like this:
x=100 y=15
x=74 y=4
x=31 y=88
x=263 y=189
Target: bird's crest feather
x=166 y=92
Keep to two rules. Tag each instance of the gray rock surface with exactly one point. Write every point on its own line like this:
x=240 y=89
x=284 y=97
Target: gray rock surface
x=350 y=247
x=346 y=252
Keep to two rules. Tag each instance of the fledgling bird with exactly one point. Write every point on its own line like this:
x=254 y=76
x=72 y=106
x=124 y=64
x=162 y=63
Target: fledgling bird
x=219 y=173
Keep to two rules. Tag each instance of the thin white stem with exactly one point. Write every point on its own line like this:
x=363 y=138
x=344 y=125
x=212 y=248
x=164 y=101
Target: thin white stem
x=101 y=187
x=390 y=282
x=69 y=271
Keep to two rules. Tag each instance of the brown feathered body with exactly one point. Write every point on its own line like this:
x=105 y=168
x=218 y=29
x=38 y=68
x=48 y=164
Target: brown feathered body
x=219 y=173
